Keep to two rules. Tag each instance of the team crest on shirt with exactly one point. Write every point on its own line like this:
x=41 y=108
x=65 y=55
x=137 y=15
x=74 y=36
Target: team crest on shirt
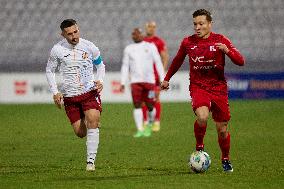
x=212 y=48
x=85 y=55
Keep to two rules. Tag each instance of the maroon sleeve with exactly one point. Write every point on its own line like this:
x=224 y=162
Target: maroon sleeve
x=233 y=53
x=177 y=61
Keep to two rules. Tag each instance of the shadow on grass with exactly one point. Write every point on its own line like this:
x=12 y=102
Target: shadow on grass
x=126 y=174
x=101 y=174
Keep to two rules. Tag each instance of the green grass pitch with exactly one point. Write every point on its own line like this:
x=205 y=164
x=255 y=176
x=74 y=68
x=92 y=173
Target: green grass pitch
x=39 y=150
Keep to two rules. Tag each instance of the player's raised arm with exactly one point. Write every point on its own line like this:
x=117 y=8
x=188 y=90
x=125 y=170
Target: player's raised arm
x=232 y=52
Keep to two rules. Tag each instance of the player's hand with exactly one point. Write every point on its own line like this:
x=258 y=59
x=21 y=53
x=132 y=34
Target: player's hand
x=58 y=100
x=222 y=47
x=165 y=85
x=99 y=86
x=122 y=88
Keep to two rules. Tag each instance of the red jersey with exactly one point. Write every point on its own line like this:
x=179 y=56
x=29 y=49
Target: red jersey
x=206 y=61
x=160 y=44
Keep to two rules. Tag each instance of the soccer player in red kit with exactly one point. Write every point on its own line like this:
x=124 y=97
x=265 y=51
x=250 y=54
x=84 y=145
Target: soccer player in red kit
x=150 y=28
x=208 y=87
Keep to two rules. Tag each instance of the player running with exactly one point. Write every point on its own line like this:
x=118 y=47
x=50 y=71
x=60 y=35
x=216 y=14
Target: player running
x=80 y=92
x=208 y=87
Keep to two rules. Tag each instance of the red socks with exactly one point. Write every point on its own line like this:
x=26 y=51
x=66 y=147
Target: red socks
x=224 y=144
x=199 y=132
x=158 y=111
x=145 y=112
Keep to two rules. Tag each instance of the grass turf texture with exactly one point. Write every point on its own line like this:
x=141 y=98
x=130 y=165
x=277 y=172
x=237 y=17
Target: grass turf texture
x=39 y=150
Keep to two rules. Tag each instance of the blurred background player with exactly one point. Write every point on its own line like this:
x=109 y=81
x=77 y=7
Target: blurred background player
x=208 y=87
x=137 y=64
x=150 y=28
x=76 y=57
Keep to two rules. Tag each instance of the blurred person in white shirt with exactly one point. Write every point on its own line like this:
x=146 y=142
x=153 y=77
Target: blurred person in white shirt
x=137 y=66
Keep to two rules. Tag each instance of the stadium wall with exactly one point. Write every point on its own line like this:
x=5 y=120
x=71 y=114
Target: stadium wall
x=33 y=87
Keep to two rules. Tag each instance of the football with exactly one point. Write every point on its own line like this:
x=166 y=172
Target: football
x=199 y=161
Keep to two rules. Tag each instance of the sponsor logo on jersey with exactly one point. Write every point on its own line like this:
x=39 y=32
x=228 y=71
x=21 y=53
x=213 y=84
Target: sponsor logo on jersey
x=209 y=67
x=200 y=59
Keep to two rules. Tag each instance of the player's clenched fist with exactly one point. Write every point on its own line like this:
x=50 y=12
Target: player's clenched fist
x=222 y=47
x=99 y=86
x=58 y=100
x=165 y=85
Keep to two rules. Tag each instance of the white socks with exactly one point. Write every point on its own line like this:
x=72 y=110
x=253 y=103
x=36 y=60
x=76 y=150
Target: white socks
x=152 y=115
x=138 y=118
x=92 y=144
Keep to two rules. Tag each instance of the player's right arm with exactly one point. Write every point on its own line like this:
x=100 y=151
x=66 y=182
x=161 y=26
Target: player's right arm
x=176 y=64
x=50 y=75
x=124 y=69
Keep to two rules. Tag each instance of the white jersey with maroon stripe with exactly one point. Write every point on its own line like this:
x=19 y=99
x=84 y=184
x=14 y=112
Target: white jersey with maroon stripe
x=75 y=65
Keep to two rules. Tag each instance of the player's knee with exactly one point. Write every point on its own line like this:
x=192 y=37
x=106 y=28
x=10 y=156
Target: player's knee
x=222 y=130
x=223 y=134
x=94 y=123
x=202 y=114
x=202 y=118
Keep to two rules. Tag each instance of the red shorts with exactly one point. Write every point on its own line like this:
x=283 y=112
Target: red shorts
x=75 y=106
x=217 y=104
x=143 y=92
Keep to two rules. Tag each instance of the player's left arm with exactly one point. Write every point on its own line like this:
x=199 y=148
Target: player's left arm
x=164 y=55
x=232 y=52
x=158 y=62
x=99 y=64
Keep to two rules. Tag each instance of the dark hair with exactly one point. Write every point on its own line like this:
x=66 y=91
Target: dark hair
x=203 y=12
x=67 y=23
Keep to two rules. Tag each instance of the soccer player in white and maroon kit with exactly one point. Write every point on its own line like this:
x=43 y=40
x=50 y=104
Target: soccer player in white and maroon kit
x=137 y=64
x=80 y=92
x=151 y=37
x=208 y=87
